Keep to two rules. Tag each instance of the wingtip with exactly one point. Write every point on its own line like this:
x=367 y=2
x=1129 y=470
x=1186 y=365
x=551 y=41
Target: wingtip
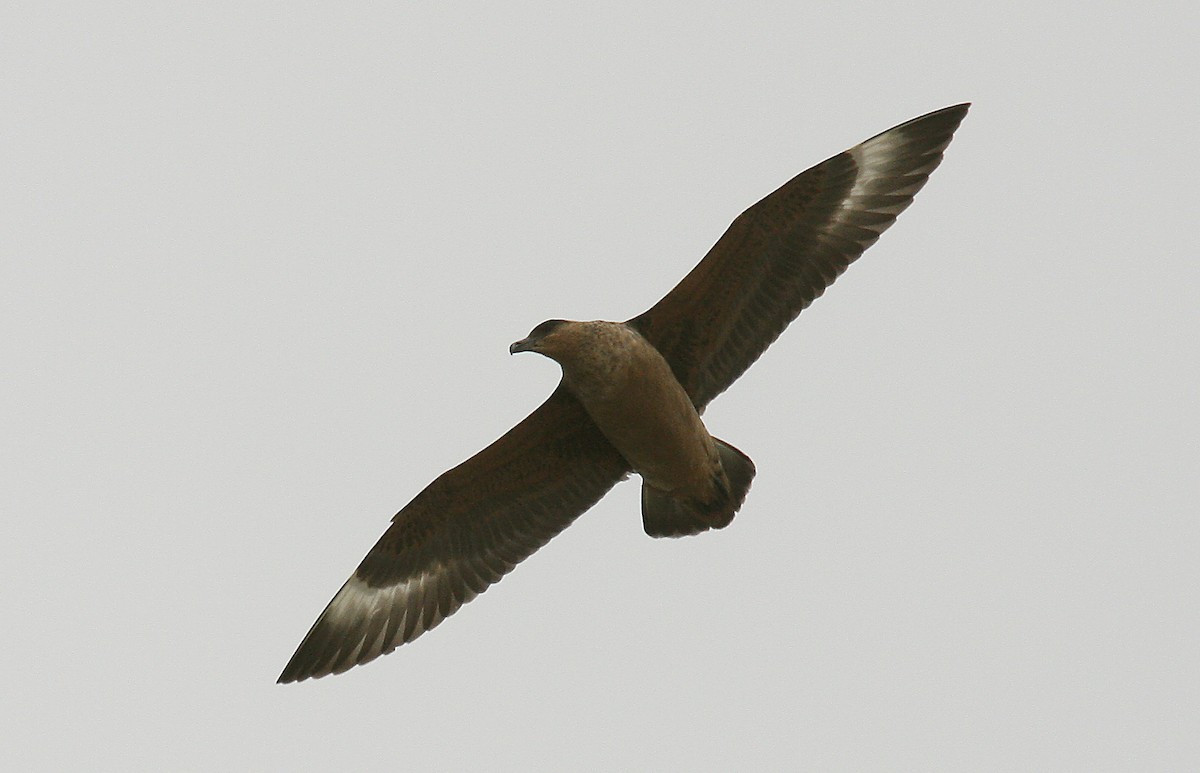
x=291 y=673
x=961 y=107
x=954 y=112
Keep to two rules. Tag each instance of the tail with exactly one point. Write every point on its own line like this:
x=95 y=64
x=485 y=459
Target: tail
x=665 y=516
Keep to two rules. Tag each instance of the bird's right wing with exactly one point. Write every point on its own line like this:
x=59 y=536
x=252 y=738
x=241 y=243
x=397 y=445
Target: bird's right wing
x=465 y=531
x=785 y=250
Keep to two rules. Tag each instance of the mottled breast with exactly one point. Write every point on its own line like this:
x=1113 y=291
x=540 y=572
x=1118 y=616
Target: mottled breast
x=631 y=393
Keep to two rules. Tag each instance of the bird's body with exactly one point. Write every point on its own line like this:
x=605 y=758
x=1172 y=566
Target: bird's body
x=631 y=394
x=628 y=390
x=630 y=401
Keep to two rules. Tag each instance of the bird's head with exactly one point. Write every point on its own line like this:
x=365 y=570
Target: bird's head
x=547 y=338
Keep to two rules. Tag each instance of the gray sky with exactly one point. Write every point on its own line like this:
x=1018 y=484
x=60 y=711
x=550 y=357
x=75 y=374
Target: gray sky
x=261 y=266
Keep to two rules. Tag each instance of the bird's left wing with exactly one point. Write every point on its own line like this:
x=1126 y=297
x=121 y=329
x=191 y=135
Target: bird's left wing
x=465 y=531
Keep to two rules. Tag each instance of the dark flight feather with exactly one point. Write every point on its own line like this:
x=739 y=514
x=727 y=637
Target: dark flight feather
x=781 y=254
x=465 y=531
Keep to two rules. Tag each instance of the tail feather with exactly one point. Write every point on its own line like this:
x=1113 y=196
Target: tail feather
x=666 y=516
x=740 y=471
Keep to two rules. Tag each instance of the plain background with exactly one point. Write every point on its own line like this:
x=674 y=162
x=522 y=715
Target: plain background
x=261 y=266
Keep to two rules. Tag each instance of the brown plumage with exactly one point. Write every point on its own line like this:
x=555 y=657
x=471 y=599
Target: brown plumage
x=690 y=480
x=630 y=401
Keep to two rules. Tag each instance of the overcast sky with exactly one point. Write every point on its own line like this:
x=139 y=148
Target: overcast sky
x=261 y=264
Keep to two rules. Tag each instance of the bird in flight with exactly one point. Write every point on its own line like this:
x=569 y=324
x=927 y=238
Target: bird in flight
x=630 y=400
